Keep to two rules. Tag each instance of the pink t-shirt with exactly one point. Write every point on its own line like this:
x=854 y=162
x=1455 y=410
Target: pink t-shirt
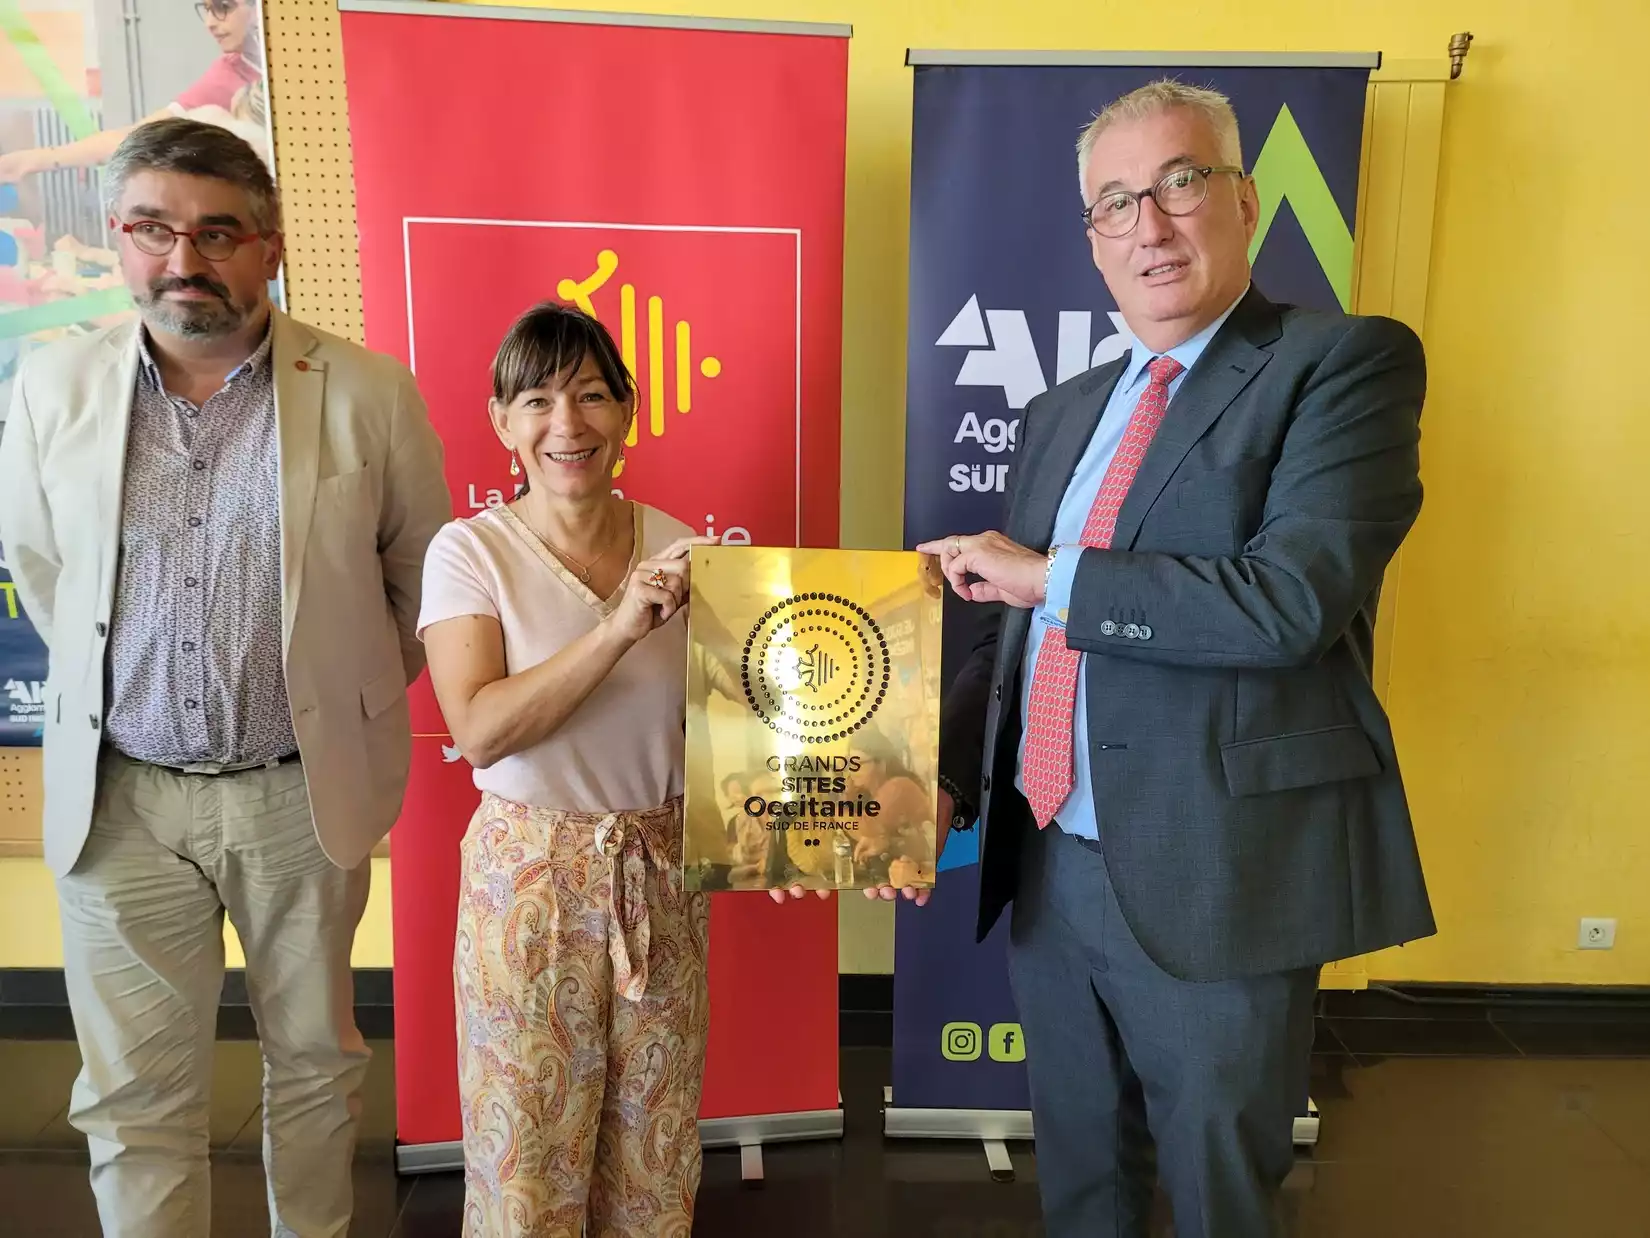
x=218 y=85
x=622 y=748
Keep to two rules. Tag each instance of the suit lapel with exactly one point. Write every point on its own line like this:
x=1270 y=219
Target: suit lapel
x=111 y=392
x=1227 y=366
x=1048 y=474
x=1051 y=473
x=300 y=385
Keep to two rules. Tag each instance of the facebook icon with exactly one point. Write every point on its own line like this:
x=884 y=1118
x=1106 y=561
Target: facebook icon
x=1006 y=1043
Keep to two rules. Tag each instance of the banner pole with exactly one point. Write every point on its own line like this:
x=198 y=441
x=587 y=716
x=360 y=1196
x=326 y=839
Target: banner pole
x=926 y=57
x=995 y=1128
x=586 y=17
x=748 y=1134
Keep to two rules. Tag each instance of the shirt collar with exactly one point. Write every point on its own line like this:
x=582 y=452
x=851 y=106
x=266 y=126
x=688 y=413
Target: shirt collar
x=258 y=359
x=1187 y=352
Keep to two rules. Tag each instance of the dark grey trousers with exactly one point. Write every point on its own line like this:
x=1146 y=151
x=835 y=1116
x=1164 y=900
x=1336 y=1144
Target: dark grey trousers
x=1122 y=1056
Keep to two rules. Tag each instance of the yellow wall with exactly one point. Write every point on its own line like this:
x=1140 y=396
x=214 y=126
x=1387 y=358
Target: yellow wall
x=1521 y=662
x=29 y=935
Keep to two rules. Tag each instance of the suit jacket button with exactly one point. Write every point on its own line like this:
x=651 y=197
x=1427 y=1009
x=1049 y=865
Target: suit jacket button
x=102 y=629
x=1108 y=628
x=300 y=365
x=985 y=783
x=94 y=722
x=1145 y=632
x=997 y=692
x=1131 y=631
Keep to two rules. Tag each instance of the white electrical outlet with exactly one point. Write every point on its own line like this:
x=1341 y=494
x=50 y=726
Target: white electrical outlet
x=1597 y=933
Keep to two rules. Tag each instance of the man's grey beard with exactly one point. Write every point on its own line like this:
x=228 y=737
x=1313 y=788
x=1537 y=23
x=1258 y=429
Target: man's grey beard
x=194 y=320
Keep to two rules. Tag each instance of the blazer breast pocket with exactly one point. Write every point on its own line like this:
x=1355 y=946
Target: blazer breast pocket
x=343 y=488
x=345 y=523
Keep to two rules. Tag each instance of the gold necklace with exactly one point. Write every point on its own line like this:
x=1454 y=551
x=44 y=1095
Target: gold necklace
x=581 y=570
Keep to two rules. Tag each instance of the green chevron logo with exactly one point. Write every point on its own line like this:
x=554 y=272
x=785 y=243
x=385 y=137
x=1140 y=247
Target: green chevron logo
x=1286 y=169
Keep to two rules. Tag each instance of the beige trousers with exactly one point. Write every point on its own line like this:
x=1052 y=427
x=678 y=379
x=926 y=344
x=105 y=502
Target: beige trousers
x=583 y=1010
x=169 y=854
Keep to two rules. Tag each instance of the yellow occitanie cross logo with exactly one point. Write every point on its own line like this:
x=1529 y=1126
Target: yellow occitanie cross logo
x=581 y=294
x=815 y=668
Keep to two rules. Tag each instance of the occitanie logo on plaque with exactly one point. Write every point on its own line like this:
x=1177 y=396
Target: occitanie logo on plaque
x=813 y=703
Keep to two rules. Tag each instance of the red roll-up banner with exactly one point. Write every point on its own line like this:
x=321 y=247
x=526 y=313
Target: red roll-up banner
x=684 y=185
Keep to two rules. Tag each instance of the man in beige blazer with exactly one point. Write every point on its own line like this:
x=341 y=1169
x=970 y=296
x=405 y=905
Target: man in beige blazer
x=217 y=520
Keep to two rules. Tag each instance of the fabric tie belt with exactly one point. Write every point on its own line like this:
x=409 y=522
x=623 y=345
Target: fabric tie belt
x=628 y=840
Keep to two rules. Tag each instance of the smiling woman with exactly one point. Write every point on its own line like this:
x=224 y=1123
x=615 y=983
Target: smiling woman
x=557 y=638
x=547 y=344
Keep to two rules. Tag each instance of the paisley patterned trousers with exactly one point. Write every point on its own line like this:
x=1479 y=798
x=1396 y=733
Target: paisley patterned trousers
x=582 y=1014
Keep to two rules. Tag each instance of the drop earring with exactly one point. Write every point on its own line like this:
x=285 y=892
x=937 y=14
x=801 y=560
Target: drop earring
x=515 y=465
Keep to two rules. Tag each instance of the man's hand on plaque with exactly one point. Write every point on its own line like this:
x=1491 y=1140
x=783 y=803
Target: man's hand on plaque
x=784 y=896
x=906 y=871
x=918 y=894
x=1003 y=570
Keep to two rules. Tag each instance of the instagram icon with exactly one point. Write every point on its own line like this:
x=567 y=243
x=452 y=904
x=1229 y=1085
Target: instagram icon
x=960 y=1042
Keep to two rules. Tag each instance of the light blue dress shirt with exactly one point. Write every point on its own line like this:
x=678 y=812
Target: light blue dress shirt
x=1077 y=815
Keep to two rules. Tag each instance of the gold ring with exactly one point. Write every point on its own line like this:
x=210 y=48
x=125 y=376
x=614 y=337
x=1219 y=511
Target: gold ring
x=657 y=580
x=956 y=546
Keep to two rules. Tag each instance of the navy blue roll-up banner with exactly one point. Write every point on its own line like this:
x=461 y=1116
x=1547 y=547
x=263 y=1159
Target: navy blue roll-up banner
x=22 y=670
x=1006 y=303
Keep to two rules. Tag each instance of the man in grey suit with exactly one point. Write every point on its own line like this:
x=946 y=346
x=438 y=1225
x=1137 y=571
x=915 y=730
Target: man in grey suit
x=1186 y=784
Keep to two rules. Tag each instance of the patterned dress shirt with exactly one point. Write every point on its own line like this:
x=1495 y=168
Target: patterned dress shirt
x=195 y=647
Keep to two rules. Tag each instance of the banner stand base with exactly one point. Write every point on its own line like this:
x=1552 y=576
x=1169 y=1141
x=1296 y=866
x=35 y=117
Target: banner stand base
x=745 y=1133
x=1306 y=1126
x=998 y=1162
x=996 y=1128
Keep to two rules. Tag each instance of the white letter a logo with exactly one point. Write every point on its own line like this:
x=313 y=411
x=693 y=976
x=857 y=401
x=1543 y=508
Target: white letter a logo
x=1007 y=359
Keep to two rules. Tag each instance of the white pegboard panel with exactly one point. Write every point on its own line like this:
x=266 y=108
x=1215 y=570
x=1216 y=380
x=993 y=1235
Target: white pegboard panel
x=313 y=164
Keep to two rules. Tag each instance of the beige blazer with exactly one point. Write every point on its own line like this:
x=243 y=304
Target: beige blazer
x=362 y=493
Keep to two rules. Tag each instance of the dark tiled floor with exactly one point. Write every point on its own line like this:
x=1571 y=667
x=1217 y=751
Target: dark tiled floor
x=1475 y=1126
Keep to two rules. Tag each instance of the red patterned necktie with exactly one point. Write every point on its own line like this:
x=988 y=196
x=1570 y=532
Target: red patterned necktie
x=1047 y=774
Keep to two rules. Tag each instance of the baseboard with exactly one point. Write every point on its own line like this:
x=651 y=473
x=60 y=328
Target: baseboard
x=1449 y=1002
x=865 y=1011
x=34 y=1005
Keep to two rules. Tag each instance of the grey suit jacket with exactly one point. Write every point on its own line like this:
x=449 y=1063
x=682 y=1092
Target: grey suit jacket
x=1250 y=806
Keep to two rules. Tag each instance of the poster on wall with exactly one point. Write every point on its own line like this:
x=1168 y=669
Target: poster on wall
x=22 y=670
x=1005 y=304
x=693 y=205
x=75 y=76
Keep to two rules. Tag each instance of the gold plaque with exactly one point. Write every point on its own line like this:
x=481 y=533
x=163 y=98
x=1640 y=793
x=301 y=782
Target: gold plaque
x=813 y=710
